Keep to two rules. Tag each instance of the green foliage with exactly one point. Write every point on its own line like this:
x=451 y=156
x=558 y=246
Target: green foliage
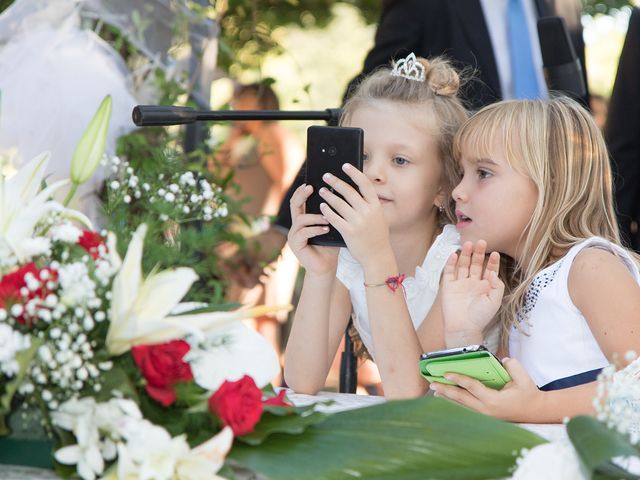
x=8 y=390
x=248 y=26
x=597 y=445
x=594 y=7
x=422 y=438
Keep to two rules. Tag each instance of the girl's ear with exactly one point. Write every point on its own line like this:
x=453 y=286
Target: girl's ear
x=441 y=199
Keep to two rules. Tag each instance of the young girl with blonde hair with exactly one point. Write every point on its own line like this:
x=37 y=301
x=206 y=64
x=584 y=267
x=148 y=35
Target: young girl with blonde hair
x=537 y=188
x=392 y=227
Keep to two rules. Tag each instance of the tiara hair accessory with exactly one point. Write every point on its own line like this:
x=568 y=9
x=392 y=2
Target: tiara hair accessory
x=409 y=68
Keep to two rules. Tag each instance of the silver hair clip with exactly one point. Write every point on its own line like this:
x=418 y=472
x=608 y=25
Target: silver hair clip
x=409 y=68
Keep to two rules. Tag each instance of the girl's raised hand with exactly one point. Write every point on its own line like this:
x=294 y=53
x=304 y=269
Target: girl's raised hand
x=358 y=216
x=471 y=293
x=315 y=259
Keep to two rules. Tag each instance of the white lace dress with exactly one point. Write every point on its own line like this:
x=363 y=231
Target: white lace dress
x=420 y=290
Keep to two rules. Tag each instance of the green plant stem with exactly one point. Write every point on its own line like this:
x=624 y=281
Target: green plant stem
x=70 y=195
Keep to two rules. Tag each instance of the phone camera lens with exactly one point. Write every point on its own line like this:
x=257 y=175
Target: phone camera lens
x=332 y=151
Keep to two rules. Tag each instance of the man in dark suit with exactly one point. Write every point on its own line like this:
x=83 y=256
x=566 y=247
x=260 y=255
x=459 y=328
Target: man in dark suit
x=622 y=132
x=460 y=30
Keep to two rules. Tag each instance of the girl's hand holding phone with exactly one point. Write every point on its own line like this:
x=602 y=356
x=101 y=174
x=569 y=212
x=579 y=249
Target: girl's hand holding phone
x=471 y=293
x=358 y=216
x=506 y=403
x=315 y=259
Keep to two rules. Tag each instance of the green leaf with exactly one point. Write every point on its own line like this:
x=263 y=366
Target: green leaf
x=271 y=423
x=190 y=393
x=421 y=438
x=23 y=358
x=597 y=444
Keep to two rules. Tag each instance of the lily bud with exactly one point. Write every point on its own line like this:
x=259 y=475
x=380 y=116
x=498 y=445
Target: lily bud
x=90 y=149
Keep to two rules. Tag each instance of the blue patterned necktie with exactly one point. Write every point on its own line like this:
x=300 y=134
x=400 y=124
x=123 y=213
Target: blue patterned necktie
x=523 y=73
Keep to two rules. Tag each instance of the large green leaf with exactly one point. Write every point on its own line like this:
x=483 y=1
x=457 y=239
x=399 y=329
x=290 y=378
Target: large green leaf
x=422 y=438
x=597 y=445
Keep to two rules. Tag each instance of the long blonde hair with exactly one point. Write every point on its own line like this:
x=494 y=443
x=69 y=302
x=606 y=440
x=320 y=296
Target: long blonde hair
x=558 y=146
x=437 y=94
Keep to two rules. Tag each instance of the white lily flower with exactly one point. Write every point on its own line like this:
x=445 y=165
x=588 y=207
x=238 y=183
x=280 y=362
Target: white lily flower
x=205 y=460
x=231 y=353
x=141 y=309
x=23 y=205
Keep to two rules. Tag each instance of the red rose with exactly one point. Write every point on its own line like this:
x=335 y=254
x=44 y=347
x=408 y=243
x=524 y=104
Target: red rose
x=162 y=367
x=90 y=241
x=238 y=404
x=278 y=400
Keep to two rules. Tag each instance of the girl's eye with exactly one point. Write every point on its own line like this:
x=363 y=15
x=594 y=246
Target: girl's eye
x=365 y=157
x=483 y=173
x=400 y=161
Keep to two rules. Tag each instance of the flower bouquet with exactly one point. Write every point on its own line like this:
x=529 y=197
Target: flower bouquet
x=126 y=381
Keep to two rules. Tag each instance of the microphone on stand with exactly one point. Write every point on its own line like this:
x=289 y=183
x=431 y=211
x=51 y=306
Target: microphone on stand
x=562 y=68
x=159 y=115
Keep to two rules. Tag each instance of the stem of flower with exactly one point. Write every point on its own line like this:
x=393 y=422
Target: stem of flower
x=72 y=192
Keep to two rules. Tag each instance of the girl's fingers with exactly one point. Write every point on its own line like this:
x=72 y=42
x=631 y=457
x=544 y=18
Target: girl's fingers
x=365 y=186
x=449 y=271
x=311 y=219
x=464 y=260
x=334 y=219
x=493 y=265
x=345 y=210
x=308 y=232
x=456 y=394
x=477 y=259
x=298 y=199
x=350 y=194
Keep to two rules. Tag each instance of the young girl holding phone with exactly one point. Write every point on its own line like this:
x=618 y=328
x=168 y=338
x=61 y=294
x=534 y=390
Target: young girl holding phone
x=537 y=188
x=392 y=227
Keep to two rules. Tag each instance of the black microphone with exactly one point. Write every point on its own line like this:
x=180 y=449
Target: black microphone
x=562 y=68
x=159 y=115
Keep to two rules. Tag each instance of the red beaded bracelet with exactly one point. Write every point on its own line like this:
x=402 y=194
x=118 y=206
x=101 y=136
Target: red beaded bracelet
x=392 y=282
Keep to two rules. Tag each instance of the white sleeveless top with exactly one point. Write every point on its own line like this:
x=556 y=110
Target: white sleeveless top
x=420 y=290
x=554 y=341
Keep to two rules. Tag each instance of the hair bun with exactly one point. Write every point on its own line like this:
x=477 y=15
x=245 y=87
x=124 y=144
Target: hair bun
x=441 y=77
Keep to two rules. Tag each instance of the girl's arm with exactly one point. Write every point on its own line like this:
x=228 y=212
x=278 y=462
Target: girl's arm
x=520 y=400
x=320 y=320
x=360 y=220
x=324 y=305
x=608 y=296
x=395 y=340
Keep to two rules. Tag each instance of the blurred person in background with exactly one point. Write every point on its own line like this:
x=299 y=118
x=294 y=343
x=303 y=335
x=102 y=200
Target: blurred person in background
x=622 y=133
x=264 y=157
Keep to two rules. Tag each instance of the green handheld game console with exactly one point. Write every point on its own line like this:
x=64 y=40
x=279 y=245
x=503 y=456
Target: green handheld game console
x=474 y=361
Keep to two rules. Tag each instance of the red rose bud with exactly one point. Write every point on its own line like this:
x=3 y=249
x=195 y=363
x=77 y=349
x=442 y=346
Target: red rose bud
x=278 y=400
x=90 y=241
x=238 y=404
x=162 y=367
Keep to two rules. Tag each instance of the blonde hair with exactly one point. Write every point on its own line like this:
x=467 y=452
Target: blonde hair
x=557 y=144
x=437 y=93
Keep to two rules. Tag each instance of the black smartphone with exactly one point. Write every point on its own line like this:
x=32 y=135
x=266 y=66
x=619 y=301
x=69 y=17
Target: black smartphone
x=328 y=148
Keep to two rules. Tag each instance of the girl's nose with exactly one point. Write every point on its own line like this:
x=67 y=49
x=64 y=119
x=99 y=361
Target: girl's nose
x=458 y=194
x=374 y=170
